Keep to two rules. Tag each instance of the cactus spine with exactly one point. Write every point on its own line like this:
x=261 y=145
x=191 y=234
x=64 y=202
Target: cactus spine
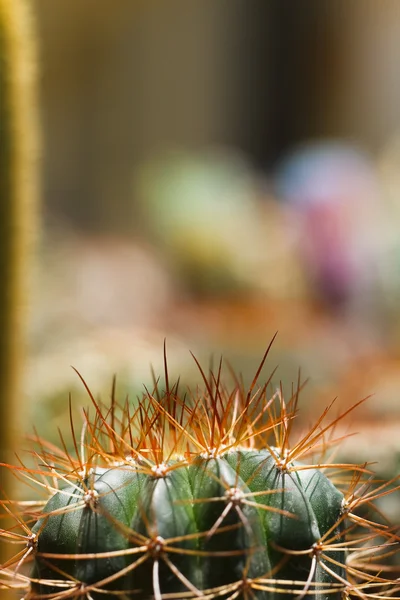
x=203 y=498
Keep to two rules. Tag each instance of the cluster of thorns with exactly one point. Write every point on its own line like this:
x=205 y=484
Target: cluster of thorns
x=164 y=431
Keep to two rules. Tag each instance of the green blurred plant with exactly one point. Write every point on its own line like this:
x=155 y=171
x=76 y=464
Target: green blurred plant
x=202 y=211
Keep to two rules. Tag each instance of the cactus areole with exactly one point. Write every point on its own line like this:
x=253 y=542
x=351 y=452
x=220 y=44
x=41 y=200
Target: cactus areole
x=200 y=498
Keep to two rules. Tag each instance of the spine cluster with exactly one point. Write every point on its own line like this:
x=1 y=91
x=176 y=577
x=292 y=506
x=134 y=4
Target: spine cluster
x=200 y=496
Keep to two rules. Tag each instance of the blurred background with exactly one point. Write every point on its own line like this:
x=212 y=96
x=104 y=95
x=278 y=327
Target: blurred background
x=211 y=173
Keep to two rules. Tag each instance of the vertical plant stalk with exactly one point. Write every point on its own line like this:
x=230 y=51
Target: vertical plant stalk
x=19 y=189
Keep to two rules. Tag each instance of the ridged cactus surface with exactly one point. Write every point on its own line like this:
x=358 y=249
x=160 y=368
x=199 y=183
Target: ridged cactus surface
x=188 y=527
x=196 y=498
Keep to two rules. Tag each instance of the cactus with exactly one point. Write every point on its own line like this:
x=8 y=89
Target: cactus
x=202 y=496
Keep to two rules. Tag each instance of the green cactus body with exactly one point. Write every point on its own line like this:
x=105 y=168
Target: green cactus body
x=187 y=498
x=81 y=519
x=210 y=520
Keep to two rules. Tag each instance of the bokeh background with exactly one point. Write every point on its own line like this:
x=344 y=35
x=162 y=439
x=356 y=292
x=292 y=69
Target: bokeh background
x=213 y=172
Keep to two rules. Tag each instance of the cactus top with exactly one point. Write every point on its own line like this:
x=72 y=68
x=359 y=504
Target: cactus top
x=203 y=497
